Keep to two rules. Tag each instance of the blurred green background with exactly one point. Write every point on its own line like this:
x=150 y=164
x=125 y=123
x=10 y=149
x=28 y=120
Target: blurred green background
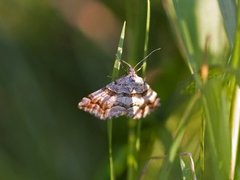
x=53 y=53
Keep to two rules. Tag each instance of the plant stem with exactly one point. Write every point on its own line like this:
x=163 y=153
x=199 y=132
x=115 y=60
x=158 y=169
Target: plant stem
x=235 y=109
x=110 y=149
x=139 y=21
x=115 y=71
x=138 y=141
x=132 y=150
x=235 y=131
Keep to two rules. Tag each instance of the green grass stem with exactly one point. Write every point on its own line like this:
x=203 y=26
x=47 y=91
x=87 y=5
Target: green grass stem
x=235 y=109
x=116 y=69
x=138 y=142
x=139 y=24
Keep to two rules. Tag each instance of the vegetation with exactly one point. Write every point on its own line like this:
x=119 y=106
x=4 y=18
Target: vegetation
x=53 y=53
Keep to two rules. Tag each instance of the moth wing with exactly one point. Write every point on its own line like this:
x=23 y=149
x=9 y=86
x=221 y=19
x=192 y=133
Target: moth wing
x=101 y=104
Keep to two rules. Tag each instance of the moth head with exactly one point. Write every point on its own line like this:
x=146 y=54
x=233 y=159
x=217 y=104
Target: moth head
x=131 y=70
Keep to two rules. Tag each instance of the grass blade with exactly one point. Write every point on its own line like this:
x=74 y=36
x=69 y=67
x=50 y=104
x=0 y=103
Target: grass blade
x=215 y=107
x=228 y=11
x=235 y=109
x=144 y=69
x=116 y=69
x=117 y=62
x=187 y=166
x=138 y=28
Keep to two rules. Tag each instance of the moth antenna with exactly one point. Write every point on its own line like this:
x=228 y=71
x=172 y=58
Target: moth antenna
x=145 y=58
x=124 y=62
x=138 y=69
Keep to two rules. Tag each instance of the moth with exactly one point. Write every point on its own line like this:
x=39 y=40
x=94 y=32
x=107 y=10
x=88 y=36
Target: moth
x=129 y=95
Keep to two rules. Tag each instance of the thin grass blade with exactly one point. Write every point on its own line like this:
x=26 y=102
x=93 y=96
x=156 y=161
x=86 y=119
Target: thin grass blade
x=116 y=69
x=228 y=11
x=187 y=166
x=235 y=109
